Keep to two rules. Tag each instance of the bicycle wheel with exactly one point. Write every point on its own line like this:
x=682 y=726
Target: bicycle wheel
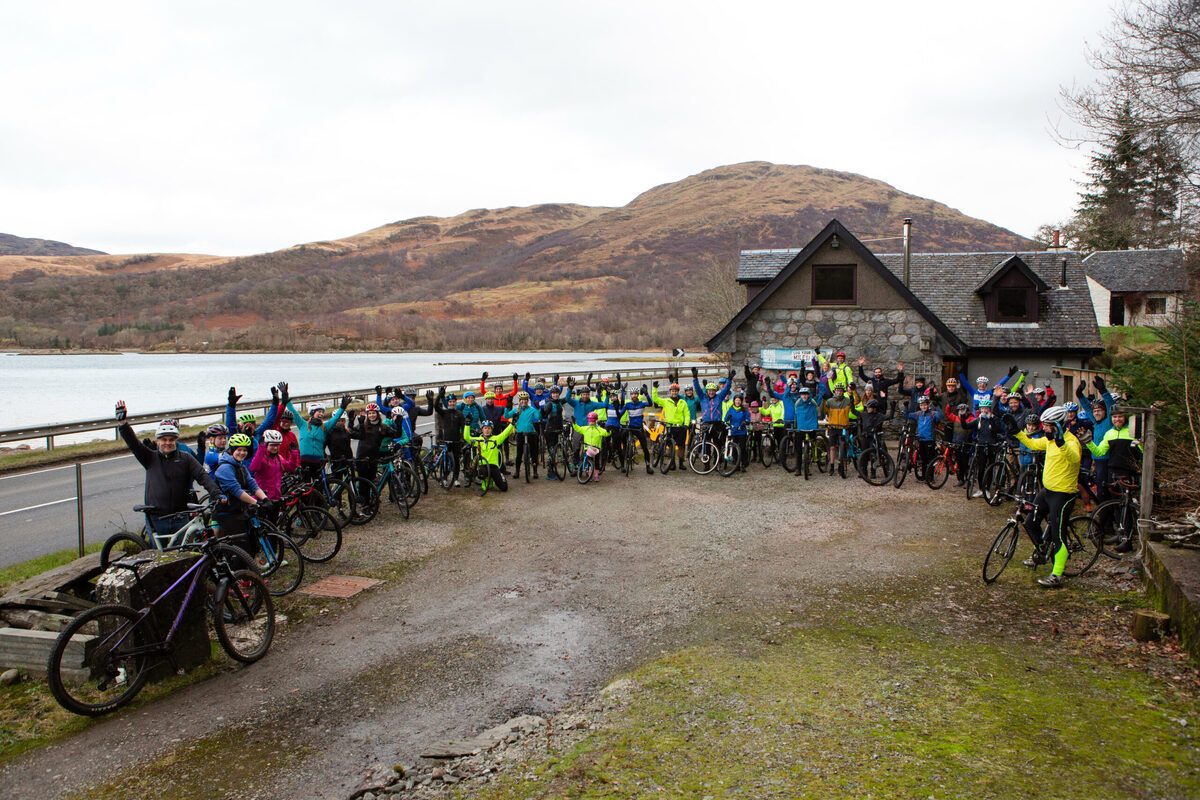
x=398 y=494
x=1108 y=523
x=246 y=623
x=411 y=482
x=902 y=465
x=766 y=450
x=99 y=661
x=1003 y=547
x=730 y=460
x=441 y=472
x=120 y=545
x=789 y=453
x=937 y=475
x=1083 y=548
x=703 y=458
x=587 y=466
x=875 y=466
x=316 y=533
x=969 y=481
x=996 y=480
x=282 y=563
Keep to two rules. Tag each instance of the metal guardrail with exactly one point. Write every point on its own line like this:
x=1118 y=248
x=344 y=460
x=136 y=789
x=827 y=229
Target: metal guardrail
x=48 y=432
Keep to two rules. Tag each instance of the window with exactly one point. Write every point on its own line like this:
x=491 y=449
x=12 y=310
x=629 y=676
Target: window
x=1012 y=304
x=833 y=286
x=1156 y=305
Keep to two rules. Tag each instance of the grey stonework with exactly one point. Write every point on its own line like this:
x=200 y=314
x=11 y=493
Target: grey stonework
x=881 y=336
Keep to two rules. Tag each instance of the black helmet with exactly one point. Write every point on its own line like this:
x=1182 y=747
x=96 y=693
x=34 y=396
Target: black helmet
x=1032 y=418
x=285 y=414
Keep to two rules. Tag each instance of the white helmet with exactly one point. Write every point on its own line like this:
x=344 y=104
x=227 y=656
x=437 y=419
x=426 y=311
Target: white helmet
x=982 y=379
x=272 y=437
x=315 y=407
x=1054 y=415
x=166 y=430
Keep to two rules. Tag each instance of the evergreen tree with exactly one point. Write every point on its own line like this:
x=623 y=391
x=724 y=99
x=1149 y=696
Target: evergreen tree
x=1165 y=173
x=1108 y=213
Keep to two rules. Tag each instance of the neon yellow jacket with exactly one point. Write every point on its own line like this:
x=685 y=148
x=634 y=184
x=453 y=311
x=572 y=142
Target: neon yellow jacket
x=675 y=412
x=489 y=447
x=1061 y=473
x=593 y=435
x=775 y=410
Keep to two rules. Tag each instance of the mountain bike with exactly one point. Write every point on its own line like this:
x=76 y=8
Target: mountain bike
x=875 y=464
x=1083 y=547
x=1116 y=520
x=1000 y=476
x=587 y=463
x=370 y=492
x=906 y=456
x=102 y=659
x=945 y=463
x=763 y=449
x=703 y=456
x=314 y=530
x=847 y=451
x=556 y=456
x=195 y=527
x=731 y=457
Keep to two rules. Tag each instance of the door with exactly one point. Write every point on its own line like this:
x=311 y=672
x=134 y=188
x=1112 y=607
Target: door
x=1116 y=309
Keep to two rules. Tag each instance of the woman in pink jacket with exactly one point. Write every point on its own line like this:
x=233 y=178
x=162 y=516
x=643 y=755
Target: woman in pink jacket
x=268 y=465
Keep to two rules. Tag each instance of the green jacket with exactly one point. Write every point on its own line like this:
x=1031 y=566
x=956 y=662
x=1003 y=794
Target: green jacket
x=675 y=412
x=593 y=435
x=489 y=447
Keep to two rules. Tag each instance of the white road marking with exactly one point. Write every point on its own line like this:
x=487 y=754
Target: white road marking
x=39 y=505
x=64 y=466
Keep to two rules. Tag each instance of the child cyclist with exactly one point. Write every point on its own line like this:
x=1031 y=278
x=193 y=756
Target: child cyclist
x=593 y=437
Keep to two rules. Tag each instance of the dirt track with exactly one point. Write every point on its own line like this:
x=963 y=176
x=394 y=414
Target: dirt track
x=517 y=603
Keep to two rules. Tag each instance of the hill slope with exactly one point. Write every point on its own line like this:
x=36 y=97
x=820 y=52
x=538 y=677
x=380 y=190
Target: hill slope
x=18 y=246
x=543 y=276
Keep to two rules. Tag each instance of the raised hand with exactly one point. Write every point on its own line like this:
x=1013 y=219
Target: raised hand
x=345 y=402
x=233 y=396
x=862 y=360
x=527 y=376
x=695 y=374
x=120 y=411
x=274 y=395
x=485 y=376
x=379 y=389
x=515 y=376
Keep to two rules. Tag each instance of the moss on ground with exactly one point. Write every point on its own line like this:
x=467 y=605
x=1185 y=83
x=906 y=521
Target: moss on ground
x=900 y=694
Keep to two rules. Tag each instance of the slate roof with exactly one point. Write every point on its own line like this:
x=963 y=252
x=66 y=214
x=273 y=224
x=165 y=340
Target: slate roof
x=1135 y=270
x=946 y=282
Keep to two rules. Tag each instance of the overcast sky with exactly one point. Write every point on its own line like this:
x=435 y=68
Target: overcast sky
x=242 y=127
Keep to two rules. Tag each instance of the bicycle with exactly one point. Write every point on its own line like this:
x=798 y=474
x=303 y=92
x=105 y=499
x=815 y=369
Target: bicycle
x=587 y=463
x=556 y=457
x=847 y=451
x=875 y=464
x=1116 y=519
x=198 y=518
x=103 y=658
x=702 y=458
x=1000 y=476
x=762 y=444
x=1082 y=545
x=439 y=464
x=314 y=530
x=731 y=457
x=369 y=492
x=944 y=465
x=906 y=456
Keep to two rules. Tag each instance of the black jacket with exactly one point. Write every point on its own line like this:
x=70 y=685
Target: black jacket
x=169 y=477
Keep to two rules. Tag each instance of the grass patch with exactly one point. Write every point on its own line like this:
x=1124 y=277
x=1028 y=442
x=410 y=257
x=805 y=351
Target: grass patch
x=16 y=573
x=1129 y=337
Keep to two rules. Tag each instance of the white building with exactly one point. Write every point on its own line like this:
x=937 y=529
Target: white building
x=1135 y=287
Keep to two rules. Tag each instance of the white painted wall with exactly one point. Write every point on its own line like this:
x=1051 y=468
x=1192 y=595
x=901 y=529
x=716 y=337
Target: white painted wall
x=1100 y=299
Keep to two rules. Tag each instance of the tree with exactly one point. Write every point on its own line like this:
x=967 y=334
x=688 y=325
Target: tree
x=1109 y=213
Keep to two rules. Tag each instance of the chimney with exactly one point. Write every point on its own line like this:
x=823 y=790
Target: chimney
x=1057 y=235
x=1058 y=246
x=907 y=251
x=1062 y=281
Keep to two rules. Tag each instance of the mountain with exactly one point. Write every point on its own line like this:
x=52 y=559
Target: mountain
x=547 y=276
x=17 y=246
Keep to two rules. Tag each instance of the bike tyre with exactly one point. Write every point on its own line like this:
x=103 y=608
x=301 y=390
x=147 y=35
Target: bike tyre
x=67 y=689
x=284 y=565
x=1083 y=547
x=1001 y=552
x=245 y=604
x=703 y=458
x=311 y=532
x=730 y=465
x=120 y=545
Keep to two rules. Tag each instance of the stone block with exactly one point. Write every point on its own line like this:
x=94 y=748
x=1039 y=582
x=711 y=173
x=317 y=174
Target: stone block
x=777 y=327
x=848 y=330
x=857 y=316
x=758 y=325
x=912 y=329
x=841 y=316
x=897 y=317
x=814 y=315
x=898 y=339
x=814 y=340
x=878 y=316
x=793 y=328
x=825 y=328
x=789 y=341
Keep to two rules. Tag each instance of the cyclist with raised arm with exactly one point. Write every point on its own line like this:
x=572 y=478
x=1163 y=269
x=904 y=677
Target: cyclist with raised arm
x=926 y=417
x=633 y=412
x=491 y=453
x=1124 y=459
x=593 y=436
x=1060 y=480
x=268 y=465
x=552 y=421
x=241 y=491
x=373 y=431
x=311 y=434
x=247 y=423
x=982 y=388
x=523 y=417
x=737 y=419
x=451 y=423
x=837 y=419
x=676 y=416
x=169 y=474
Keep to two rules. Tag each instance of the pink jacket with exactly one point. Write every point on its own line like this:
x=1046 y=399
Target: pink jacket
x=268 y=470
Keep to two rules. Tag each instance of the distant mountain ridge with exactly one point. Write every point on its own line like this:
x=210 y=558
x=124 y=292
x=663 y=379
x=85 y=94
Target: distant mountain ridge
x=546 y=276
x=19 y=246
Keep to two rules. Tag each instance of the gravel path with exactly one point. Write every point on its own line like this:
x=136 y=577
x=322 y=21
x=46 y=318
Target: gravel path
x=520 y=603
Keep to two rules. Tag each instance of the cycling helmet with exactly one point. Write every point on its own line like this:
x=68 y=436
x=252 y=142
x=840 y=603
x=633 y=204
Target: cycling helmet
x=239 y=440
x=388 y=398
x=216 y=429
x=287 y=415
x=804 y=390
x=1054 y=415
x=244 y=418
x=1099 y=404
x=754 y=404
x=723 y=381
x=985 y=402
x=490 y=396
x=1071 y=405
x=467 y=394
x=166 y=430
x=539 y=385
x=315 y=407
x=712 y=387
x=487 y=423
x=674 y=386
x=1032 y=418
x=688 y=388
x=170 y=421
x=982 y=379
x=272 y=437
x=841 y=354
x=592 y=416
x=555 y=390
x=1122 y=410
x=522 y=395
x=452 y=396
x=371 y=407
x=1040 y=390
x=923 y=400
x=963 y=407
x=739 y=394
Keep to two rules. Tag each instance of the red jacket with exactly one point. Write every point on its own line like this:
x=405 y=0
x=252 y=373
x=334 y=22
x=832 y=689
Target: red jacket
x=500 y=396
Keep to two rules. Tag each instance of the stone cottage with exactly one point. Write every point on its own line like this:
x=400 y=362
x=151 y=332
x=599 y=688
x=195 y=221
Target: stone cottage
x=974 y=313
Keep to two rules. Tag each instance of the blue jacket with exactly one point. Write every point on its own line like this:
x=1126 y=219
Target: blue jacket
x=211 y=459
x=635 y=409
x=523 y=419
x=582 y=409
x=311 y=438
x=710 y=409
x=925 y=423
x=805 y=412
x=737 y=419
x=1099 y=428
x=234 y=478
x=267 y=423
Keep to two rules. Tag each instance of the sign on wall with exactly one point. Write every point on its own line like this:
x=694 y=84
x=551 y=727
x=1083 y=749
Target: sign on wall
x=778 y=358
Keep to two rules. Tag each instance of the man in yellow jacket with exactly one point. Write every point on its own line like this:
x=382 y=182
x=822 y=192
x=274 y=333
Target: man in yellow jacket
x=677 y=417
x=1060 y=479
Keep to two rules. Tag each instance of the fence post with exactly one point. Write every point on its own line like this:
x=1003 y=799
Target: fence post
x=1148 y=448
x=79 y=503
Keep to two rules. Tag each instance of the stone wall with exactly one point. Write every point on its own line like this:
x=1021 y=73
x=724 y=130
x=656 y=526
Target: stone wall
x=881 y=336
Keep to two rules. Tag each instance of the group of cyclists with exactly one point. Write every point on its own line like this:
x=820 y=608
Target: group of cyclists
x=820 y=418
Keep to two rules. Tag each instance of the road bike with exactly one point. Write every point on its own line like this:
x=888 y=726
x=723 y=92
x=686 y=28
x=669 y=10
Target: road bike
x=103 y=658
x=1083 y=546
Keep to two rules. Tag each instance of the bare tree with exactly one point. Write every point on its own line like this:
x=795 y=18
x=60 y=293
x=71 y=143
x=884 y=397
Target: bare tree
x=715 y=297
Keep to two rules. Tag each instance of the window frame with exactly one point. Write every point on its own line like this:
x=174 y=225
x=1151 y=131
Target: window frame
x=1013 y=281
x=1150 y=300
x=853 y=301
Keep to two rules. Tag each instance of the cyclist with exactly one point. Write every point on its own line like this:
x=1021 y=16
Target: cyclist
x=711 y=400
x=737 y=418
x=552 y=421
x=611 y=415
x=593 y=436
x=451 y=423
x=337 y=442
x=877 y=380
x=1122 y=449
x=373 y=431
x=960 y=415
x=990 y=431
x=754 y=378
x=981 y=386
x=837 y=413
x=838 y=371
x=169 y=473
x=633 y=412
x=215 y=439
x=1098 y=413
x=1082 y=430
x=247 y=423
x=472 y=412
x=584 y=405
x=491 y=453
x=806 y=420
x=498 y=393
x=955 y=394
x=311 y=434
x=676 y=416
x=926 y=416
x=241 y=491
x=1060 y=479
x=268 y=465
x=523 y=417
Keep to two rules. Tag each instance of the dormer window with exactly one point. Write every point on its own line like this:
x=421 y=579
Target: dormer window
x=1010 y=293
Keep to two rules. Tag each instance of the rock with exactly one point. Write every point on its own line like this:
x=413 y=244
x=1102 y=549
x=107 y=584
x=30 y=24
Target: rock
x=10 y=676
x=825 y=328
x=449 y=779
x=367 y=795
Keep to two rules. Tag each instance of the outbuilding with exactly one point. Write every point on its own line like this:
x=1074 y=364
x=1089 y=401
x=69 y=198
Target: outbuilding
x=1136 y=287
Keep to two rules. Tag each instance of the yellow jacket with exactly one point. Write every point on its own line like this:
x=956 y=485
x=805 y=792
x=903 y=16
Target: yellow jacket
x=1061 y=473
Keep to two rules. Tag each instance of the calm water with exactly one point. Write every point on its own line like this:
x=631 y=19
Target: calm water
x=66 y=388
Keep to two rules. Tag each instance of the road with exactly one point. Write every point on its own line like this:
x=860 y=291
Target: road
x=38 y=511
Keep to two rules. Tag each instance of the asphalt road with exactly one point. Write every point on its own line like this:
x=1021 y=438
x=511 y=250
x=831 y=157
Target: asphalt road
x=38 y=513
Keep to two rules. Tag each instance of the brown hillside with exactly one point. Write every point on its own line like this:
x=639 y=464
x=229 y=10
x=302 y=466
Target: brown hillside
x=544 y=276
